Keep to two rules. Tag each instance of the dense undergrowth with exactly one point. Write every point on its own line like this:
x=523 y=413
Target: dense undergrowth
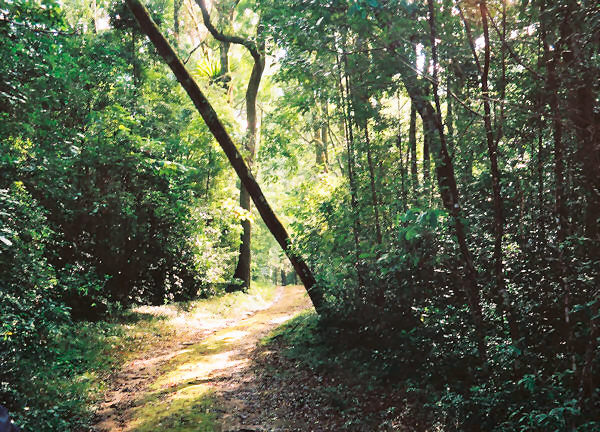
x=103 y=204
x=53 y=369
x=442 y=388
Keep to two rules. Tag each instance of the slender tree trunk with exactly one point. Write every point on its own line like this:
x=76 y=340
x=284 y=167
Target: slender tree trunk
x=346 y=100
x=225 y=76
x=325 y=133
x=374 y=200
x=449 y=115
x=176 y=31
x=540 y=192
x=243 y=267
x=448 y=189
x=208 y=176
x=449 y=193
x=95 y=16
x=134 y=66
x=585 y=118
x=501 y=296
x=412 y=142
x=426 y=155
x=403 y=169
x=560 y=209
x=317 y=139
x=235 y=158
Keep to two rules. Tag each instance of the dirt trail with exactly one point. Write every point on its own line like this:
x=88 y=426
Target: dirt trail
x=190 y=380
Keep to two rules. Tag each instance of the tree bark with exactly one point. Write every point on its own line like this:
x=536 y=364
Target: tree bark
x=584 y=117
x=235 y=158
x=243 y=267
x=346 y=102
x=375 y=201
x=176 y=8
x=449 y=115
x=325 y=133
x=427 y=185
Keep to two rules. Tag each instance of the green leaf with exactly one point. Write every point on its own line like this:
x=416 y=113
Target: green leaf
x=410 y=234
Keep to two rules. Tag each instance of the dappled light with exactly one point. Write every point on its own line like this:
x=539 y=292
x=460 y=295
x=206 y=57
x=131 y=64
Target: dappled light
x=186 y=379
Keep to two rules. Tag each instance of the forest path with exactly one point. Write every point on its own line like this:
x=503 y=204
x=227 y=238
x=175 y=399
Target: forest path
x=197 y=377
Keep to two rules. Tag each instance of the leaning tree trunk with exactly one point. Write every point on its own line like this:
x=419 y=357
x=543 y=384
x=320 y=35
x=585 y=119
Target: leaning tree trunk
x=235 y=158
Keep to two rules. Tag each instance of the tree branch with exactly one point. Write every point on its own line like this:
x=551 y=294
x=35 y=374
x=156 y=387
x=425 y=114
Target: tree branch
x=250 y=46
x=512 y=53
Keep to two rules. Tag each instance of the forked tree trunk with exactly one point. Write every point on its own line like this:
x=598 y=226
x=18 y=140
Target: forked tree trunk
x=242 y=270
x=235 y=158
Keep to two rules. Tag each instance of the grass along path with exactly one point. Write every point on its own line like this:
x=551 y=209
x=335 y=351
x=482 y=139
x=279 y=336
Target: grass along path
x=182 y=380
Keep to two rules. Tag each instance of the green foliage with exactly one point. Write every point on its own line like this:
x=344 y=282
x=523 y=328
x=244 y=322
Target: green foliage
x=113 y=156
x=406 y=296
x=111 y=194
x=44 y=359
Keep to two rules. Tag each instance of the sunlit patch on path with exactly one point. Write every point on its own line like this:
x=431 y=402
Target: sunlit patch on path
x=190 y=390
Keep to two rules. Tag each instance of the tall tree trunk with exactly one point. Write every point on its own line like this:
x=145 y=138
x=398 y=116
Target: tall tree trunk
x=374 y=200
x=448 y=189
x=325 y=133
x=449 y=115
x=317 y=139
x=427 y=185
x=412 y=142
x=233 y=155
x=346 y=102
x=500 y=294
x=540 y=192
x=403 y=169
x=584 y=117
x=560 y=209
x=243 y=267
